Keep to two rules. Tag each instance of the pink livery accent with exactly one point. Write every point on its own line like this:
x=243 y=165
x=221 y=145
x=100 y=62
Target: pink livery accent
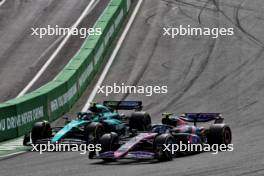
x=124 y=149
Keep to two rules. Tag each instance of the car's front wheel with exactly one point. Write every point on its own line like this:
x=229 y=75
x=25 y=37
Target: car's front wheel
x=93 y=132
x=41 y=130
x=109 y=142
x=163 y=154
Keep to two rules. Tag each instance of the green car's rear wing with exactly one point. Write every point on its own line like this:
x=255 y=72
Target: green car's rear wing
x=124 y=105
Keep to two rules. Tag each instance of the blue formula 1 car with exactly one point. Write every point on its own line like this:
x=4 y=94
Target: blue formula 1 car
x=91 y=125
x=157 y=143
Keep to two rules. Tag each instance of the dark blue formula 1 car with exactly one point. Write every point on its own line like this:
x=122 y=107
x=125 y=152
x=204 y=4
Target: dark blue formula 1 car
x=173 y=131
x=91 y=125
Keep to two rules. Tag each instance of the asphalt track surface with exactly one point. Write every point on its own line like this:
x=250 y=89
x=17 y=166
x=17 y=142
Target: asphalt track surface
x=22 y=55
x=203 y=75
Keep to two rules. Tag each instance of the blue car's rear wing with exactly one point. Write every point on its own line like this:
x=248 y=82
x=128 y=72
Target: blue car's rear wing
x=202 y=117
x=124 y=105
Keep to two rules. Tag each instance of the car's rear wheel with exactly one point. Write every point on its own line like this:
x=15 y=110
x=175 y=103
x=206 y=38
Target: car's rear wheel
x=41 y=130
x=140 y=121
x=219 y=134
x=162 y=153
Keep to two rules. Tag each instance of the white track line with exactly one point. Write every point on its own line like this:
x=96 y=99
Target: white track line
x=12 y=154
x=45 y=66
x=2 y=2
x=112 y=57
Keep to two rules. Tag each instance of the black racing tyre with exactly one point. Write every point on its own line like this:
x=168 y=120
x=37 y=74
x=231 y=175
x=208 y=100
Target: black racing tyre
x=219 y=134
x=41 y=130
x=94 y=131
x=140 y=121
x=109 y=142
x=158 y=146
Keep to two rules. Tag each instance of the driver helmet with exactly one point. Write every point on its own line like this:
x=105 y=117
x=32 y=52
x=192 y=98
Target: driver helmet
x=93 y=108
x=87 y=115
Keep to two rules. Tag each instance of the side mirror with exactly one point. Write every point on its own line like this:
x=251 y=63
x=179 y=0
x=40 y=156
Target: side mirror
x=66 y=118
x=167 y=114
x=123 y=117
